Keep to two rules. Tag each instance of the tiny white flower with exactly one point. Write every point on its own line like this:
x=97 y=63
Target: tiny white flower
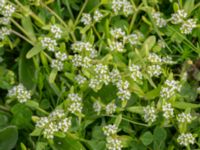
x=184 y=118
x=97 y=107
x=178 y=17
x=61 y=56
x=110 y=129
x=4 y=31
x=49 y=43
x=117 y=33
x=8 y=10
x=86 y=19
x=188 y=26
x=113 y=143
x=168 y=111
x=97 y=16
x=135 y=72
x=154 y=70
x=116 y=46
x=56 y=31
x=57 y=64
x=150 y=114
x=80 y=79
x=110 y=108
x=186 y=139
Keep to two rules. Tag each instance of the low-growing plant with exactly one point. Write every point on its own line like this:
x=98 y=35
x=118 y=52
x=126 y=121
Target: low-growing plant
x=99 y=74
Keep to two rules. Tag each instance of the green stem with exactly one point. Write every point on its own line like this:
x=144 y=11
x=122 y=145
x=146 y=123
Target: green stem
x=53 y=13
x=5 y=109
x=20 y=27
x=23 y=37
x=96 y=32
x=32 y=14
x=69 y=9
x=133 y=122
x=80 y=13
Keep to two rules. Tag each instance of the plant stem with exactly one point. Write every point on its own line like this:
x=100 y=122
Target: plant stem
x=23 y=37
x=80 y=13
x=69 y=9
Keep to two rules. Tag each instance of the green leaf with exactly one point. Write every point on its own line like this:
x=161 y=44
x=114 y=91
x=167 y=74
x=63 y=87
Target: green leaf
x=21 y=116
x=32 y=104
x=185 y=105
x=148 y=45
x=188 y=6
x=41 y=145
x=146 y=138
x=68 y=142
x=53 y=75
x=136 y=109
x=27 y=71
x=8 y=138
x=126 y=140
x=152 y=94
x=159 y=137
x=36 y=132
x=27 y=25
x=34 y=51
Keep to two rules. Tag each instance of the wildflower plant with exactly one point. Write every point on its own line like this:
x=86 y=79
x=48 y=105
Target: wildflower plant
x=99 y=74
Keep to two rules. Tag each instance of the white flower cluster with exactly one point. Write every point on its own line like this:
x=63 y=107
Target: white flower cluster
x=80 y=46
x=135 y=72
x=184 y=118
x=122 y=6
x=110 y=130
x=56 y=31
x=178 y=17
x=102 y=73
x=79 y=61
x=154 y=58
x=168 y=111
x=117 y=33
x=97 y=16
x=154 y=70
x=80 y=79
x=133 y=39
x=55 y=122
x=187 y=25
x=185 y=139
x=87 y=18
x=150 y=114
x=4 y=31
x=113 y=143
x=170 y=88
x=116 y=46
x=6 y=9
x=115 y=76
x=94 y=83
x=75 y=102
x=20 y=92
x=58 y=63
x=49 y=43
x=97 y=107
x=111 y=108
x=160 y=22
x=123 y=92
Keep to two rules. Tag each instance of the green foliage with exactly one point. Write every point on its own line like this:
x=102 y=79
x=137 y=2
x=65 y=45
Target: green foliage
x=99 y=74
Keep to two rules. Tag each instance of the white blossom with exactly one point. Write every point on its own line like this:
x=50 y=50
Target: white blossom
x=168 y=111
x=150 y=114
x=159 y=21
x=188 y=26
x=135 y=72
x=80 y=79
x=110 y=108
x=113 y=143
x=61 y=56
x=20 y=92
x=154 y=70
x=178 y=17
x=97 y=107
x=86 y=19
x=116 y=46
x=185 y=139
x=4 y=31
x=49 y=43
x=57 y=64
x=110 y=129
x=8 y=10
x=56 y=31
x=97 y=16
x=117 y=33
x=184 y=118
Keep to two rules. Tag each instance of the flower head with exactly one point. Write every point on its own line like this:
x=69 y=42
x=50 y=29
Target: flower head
x=185 y=139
